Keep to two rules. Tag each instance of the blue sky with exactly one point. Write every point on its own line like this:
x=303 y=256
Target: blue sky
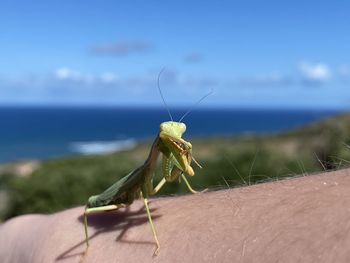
x=289 y=54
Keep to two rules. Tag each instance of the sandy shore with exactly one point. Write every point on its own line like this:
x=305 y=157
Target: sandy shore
x=21 y=168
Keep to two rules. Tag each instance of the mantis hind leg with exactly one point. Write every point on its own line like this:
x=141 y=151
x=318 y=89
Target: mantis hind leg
x=94 y=210
x=86 y=230
x=156 y=252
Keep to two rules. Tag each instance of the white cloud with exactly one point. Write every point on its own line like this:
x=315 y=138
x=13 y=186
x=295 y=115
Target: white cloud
x=69 y=75
x=65 y=73
x=69 y=85
x=108 y=77
x=315 y=72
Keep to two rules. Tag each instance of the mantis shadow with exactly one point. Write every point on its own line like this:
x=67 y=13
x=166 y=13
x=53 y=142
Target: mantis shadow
x=112 y=221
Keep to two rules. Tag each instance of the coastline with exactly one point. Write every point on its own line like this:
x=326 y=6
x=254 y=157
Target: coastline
x=22 y=168
x=48 y=132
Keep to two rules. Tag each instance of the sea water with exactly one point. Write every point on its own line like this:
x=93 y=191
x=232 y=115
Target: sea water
x=47 y=132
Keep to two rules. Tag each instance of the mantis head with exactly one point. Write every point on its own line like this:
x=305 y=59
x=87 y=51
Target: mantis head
x=172 y=128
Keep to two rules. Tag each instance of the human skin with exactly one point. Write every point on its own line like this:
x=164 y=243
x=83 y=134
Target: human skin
x=305 y=219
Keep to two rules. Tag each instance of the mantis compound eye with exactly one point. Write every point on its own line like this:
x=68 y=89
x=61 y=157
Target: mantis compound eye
x=164 y=127
x=183 y=126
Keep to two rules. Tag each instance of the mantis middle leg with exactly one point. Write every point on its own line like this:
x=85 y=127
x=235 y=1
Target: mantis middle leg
x=163 y=181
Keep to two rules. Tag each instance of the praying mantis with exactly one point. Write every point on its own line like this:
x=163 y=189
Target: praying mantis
x=176 y=162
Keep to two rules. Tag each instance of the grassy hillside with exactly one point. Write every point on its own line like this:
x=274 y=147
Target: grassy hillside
x=237 y=161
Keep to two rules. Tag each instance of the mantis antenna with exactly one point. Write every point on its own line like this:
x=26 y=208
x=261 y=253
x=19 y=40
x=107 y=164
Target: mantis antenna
x=194 y=105
x=161 y=94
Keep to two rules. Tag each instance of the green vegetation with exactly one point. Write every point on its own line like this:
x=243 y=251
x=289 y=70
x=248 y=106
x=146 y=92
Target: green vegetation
x=63 y=183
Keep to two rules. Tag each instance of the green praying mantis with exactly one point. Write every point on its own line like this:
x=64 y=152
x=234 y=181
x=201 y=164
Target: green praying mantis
x=176 y=162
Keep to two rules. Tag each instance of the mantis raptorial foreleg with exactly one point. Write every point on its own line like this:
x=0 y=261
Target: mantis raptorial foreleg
x=172 y=168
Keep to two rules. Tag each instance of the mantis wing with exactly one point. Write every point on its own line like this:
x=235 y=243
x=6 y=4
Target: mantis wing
x=117 y=192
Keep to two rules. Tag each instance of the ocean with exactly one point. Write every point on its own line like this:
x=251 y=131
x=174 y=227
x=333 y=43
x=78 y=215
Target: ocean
x=50 y=132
